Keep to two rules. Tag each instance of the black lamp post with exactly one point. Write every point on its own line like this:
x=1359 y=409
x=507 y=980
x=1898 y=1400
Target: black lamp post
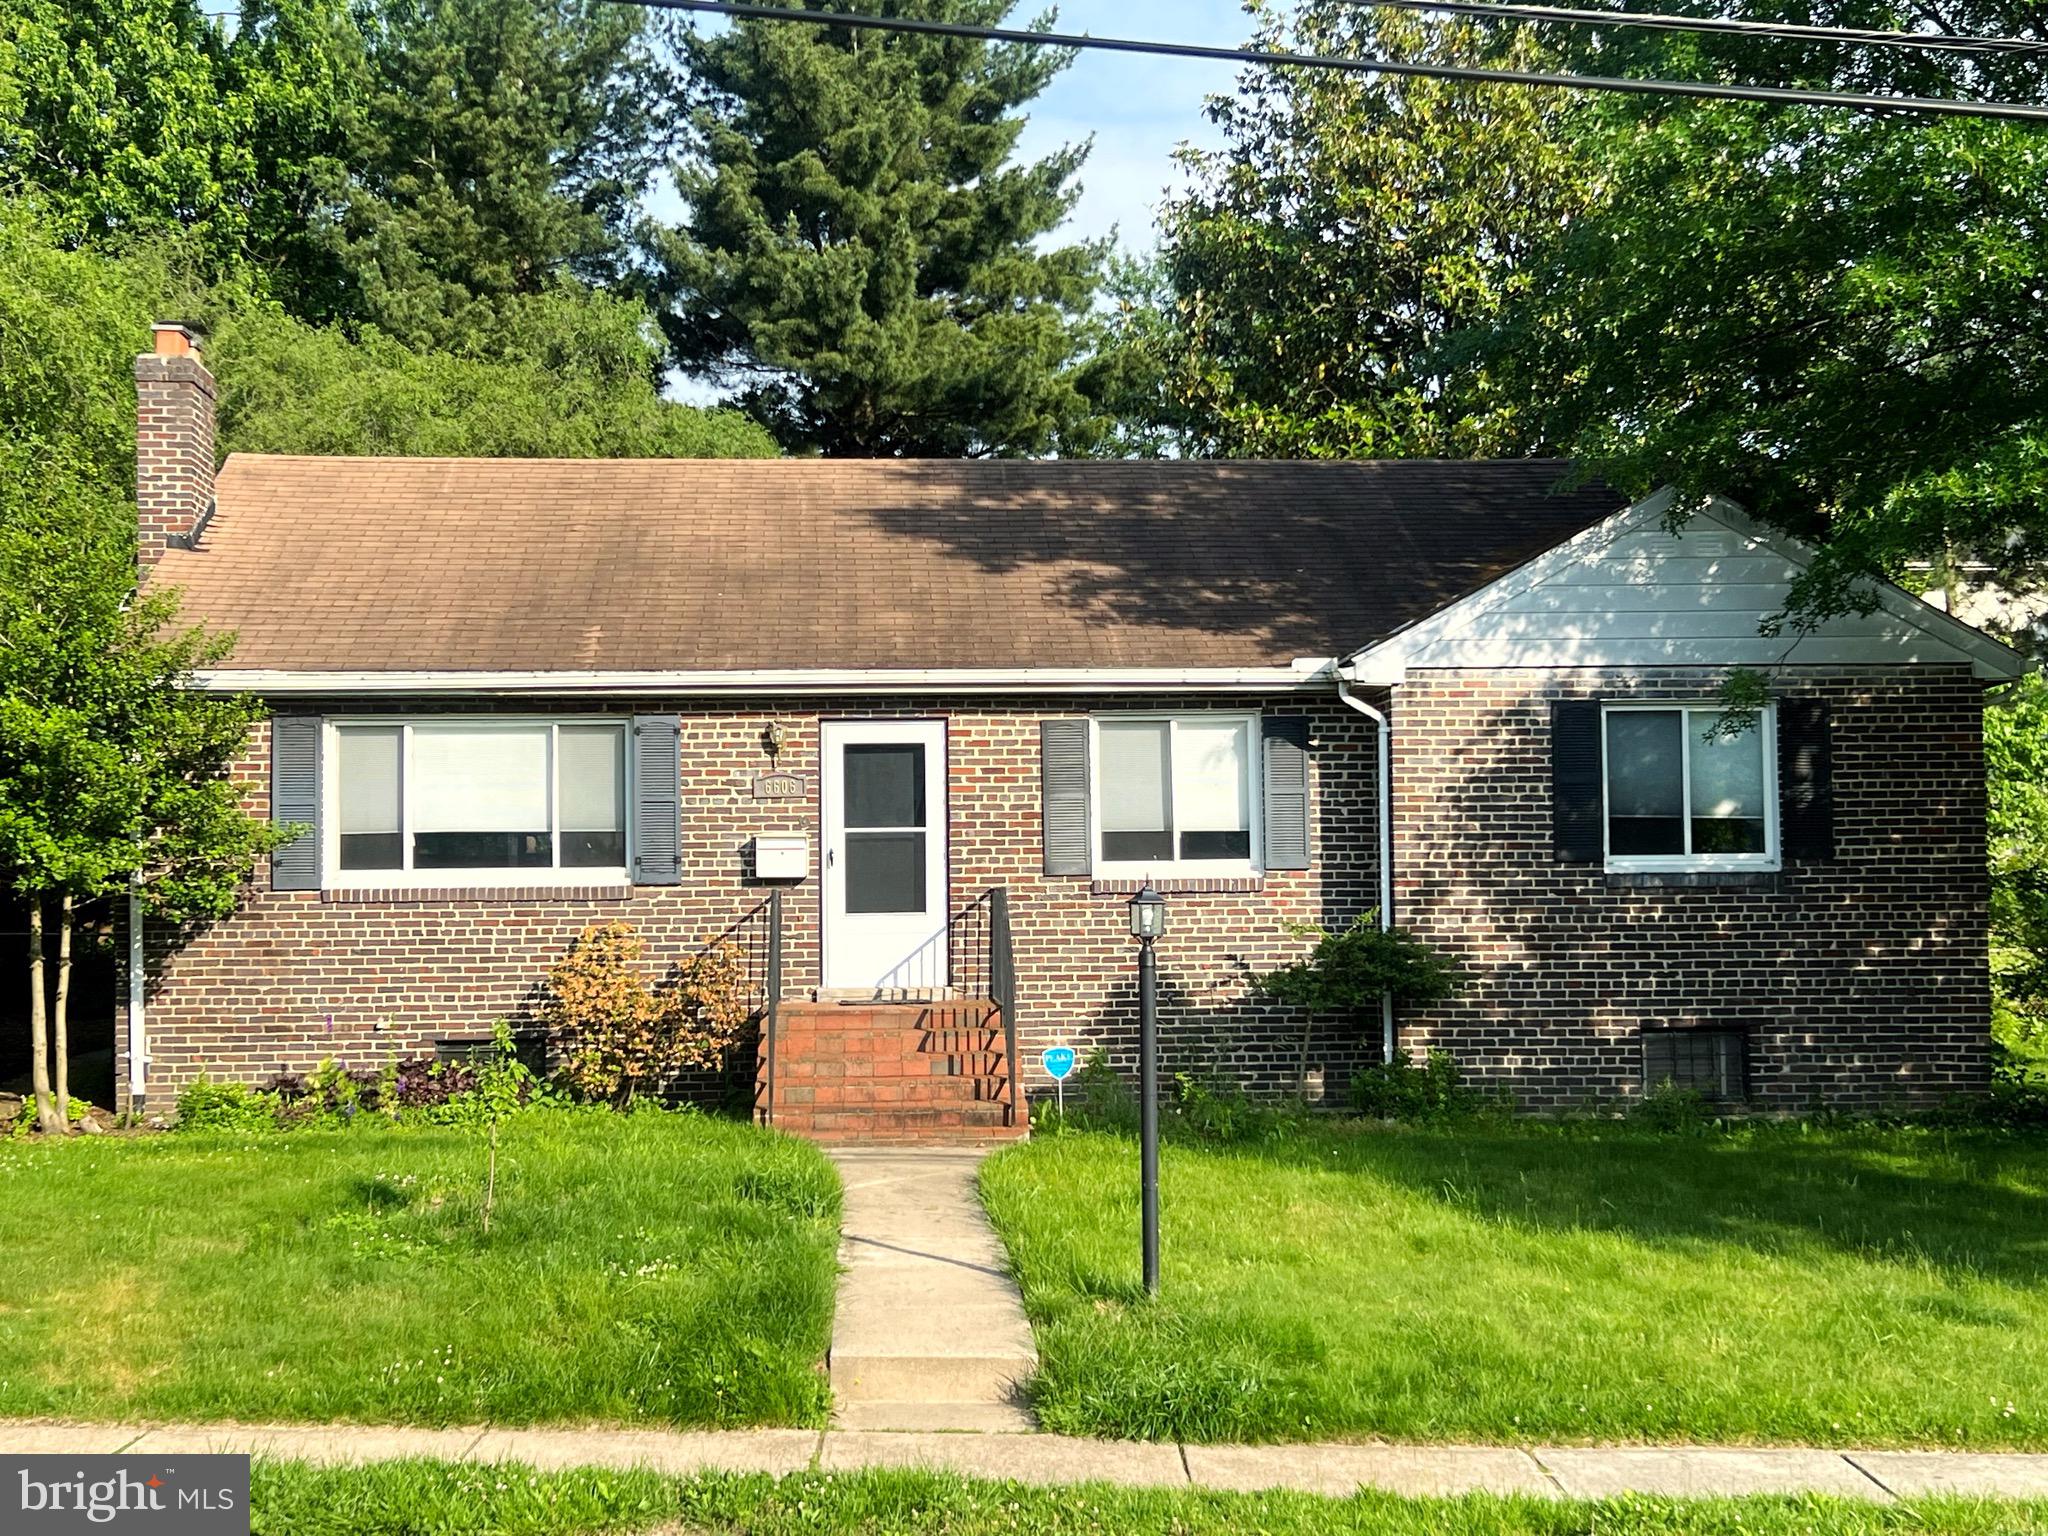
x=1148 y=922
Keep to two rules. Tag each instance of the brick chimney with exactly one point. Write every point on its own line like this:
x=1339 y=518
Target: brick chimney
x=173 y=442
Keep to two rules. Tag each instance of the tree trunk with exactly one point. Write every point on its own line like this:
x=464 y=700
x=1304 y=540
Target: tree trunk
x=491 y=1178
x=60 y=1014
x=48 y=1117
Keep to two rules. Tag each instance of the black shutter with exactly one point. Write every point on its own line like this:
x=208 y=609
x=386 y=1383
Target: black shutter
x=1063 y=796
x=1806 y=779
x=1286 y=791
x=295 y=796
x=657 y=800
x=1576 y=795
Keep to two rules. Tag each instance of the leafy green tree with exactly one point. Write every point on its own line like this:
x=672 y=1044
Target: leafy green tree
x=862 y=251
x=411 y=164
x=1833 y=317
x=132 y=118
x=582 y=382
x=2016 y=759
x=1347 y=225
x=110 y=770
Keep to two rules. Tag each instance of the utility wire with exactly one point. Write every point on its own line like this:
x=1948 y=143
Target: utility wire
x=1500 y=10
x=1262 y=58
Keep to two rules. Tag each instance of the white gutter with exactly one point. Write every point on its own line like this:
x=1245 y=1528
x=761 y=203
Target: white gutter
x=1310 y=676
x=138 y=991
x=1386 y=858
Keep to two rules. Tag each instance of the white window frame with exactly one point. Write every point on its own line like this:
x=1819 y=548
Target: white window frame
x=1674 y=863
x=335 y=878
x=1132 y=869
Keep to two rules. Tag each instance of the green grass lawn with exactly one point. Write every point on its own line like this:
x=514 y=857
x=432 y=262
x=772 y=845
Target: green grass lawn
x=1525 y=1282
x=672 y=1269
x=432 y=1499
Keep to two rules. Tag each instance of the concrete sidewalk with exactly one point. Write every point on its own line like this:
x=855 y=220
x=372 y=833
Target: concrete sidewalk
x=1588 y=1472
x=928 y=1332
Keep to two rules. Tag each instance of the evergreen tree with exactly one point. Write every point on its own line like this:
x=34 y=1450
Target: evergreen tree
x=505 y=144
x=862 y=251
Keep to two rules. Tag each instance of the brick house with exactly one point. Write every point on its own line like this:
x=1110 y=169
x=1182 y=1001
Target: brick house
x=906 y=705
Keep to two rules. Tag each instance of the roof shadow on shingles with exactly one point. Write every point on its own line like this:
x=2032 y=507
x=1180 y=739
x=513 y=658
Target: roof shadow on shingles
x=497 y=565
x=1311 y=558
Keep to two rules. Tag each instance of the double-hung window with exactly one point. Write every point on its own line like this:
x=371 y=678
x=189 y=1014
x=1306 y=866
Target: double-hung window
x=429 y=801
x=1682 y=793
x=1175 y=794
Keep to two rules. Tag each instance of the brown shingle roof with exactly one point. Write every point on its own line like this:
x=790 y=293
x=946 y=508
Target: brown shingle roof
x=655 y=565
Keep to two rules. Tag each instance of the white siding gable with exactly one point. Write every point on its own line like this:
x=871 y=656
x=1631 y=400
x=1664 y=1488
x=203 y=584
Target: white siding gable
x=1631 y=593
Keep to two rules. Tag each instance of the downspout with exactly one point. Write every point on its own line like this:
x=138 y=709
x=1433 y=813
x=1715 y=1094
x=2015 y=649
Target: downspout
x=138 y=1031
x=1386 y=858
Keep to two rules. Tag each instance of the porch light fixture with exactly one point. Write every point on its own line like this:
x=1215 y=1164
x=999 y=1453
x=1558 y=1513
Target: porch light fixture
x=1148 y=914
x=1148 y=922
x=772 y=738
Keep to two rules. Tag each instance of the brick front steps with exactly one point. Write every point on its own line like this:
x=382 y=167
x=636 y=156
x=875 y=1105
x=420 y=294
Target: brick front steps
x=890 y=1072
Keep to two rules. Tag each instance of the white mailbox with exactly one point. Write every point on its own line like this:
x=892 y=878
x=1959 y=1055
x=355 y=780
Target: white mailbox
x=784 y=856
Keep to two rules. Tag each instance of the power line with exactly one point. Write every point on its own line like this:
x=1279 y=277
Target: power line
x=1782 y=31
x=1262 y=58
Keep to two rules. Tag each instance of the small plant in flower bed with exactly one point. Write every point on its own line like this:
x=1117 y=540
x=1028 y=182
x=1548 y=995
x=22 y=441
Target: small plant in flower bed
x=416 y=1089
x=1426 y=1091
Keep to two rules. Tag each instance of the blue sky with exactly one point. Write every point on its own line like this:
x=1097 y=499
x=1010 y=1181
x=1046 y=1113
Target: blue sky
x=1139 y=108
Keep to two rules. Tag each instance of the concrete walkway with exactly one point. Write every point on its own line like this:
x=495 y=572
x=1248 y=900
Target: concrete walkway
x=1588 y=1472
x=928 y=1333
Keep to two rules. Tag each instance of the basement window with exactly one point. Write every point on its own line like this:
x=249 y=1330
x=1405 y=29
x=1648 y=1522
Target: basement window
x=1714 y=1063
x=458 y=802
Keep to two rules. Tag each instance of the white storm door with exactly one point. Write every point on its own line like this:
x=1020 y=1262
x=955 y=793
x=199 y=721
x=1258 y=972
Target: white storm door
x=885 y=854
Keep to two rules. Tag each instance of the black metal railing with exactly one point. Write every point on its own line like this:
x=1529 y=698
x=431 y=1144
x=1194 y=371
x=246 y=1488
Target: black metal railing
x=758 y=939
x=983 y=963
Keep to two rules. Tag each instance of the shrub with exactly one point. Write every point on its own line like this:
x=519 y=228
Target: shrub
x=1668 y=1107
x=421 y=1082
x=621 y=1035
x=1432 y=1090
x=209 y=1106
x=336 y=1090
x=1218 y=1109
x=1348 y=973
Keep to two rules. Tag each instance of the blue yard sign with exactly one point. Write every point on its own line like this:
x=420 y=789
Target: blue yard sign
x=1059 y=1066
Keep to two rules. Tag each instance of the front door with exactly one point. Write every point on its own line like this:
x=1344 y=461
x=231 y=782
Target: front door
x=885 y=854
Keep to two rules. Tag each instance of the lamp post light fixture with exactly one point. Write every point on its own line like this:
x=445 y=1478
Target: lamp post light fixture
x=1148 y=922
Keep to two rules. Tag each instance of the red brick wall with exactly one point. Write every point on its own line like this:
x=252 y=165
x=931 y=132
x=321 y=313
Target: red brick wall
x=173 y=450
x=1862 y=979
x=297 y=976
